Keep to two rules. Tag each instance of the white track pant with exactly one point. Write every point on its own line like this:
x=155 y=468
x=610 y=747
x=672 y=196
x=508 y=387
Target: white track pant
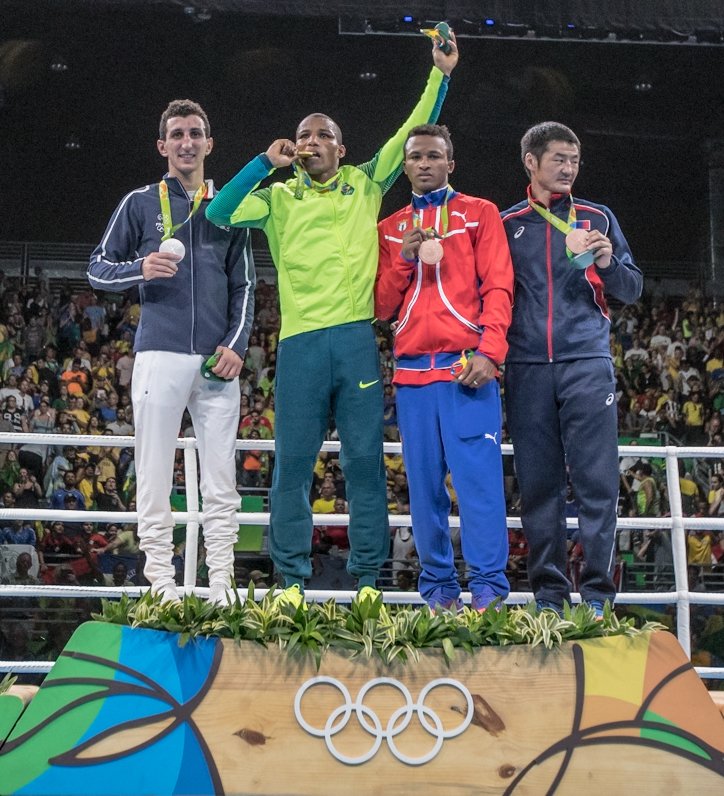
x=164 y=384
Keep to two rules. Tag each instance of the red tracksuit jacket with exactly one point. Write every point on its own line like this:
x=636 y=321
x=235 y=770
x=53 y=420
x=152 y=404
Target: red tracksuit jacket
x=462 y=302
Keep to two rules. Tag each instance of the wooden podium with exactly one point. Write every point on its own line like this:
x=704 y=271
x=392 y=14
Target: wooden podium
x=132 y=712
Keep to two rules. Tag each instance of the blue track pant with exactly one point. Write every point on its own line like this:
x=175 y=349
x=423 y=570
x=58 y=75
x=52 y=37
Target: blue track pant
x=445 y=426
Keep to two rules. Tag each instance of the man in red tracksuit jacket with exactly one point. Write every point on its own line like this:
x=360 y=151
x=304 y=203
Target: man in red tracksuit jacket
x=445 y=271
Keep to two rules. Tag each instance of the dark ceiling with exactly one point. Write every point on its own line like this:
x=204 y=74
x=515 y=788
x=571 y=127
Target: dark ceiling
x=646 y=112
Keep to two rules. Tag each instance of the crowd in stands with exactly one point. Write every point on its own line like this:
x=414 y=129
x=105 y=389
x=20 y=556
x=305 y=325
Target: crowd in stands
x=66 y=361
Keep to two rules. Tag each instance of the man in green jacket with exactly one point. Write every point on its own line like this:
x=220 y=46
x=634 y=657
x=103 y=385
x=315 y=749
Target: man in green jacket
x=321 y=228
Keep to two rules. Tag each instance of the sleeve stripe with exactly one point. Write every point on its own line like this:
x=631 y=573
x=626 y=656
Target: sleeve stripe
x=247 y=291
x=101 y=256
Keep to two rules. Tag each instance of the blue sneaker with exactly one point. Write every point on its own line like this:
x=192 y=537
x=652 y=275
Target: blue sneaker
x=481 y=600
x=454 y=604
x=597 y=606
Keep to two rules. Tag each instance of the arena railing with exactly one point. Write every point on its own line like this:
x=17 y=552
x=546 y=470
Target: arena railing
x=677 y=524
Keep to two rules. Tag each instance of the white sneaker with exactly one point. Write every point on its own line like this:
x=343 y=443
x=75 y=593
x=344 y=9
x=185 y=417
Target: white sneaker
x=167 y=593
x=222 y=595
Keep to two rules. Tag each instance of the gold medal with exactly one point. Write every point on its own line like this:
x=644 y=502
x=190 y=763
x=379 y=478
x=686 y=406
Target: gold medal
x=431 y=251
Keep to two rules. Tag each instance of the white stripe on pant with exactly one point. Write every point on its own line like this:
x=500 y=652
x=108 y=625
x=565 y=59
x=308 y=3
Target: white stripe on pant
x=164 y=384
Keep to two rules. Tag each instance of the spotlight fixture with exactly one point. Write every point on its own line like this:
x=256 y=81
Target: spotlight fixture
x=643 y=85
x=58 y=64
x=197 y=14
x=72 y=143
x=368 y=77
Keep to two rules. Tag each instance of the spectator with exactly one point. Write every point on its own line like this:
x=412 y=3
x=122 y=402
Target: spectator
x=648 y=498
x=88 y=485
x=56 y=545
x=120 y=427
x=14 y=416
x=255 y=420
x=324 y=504
x=25 y=402
x=699 y=549
x=255 y=464
x=124 y=369
x=122 y=541
x=404 y=554
x=58 y=498
x=255 y=358
x=75 y=379
x=21 y=576
x=119 y=576
x=20 y=532
x=10 y=471
x=107 y=497
x=693 y=412
x=715 y=497
x=28 y=490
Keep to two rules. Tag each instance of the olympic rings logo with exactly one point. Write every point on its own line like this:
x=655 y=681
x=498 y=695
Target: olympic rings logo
x=398 y=722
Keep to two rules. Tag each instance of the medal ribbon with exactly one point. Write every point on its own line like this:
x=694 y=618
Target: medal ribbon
x=558 y=223
x=304 y=180
x=417 y=216
x=168 y=226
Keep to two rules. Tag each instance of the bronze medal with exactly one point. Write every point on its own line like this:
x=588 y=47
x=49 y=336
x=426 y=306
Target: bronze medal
x=431 y=251
x=576 y=240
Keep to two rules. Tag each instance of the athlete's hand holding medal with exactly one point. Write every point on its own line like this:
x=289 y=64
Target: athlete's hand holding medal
x=422 y=243
x=163 y=263
x=283 y=152
x=583 y=247
x=601 y=247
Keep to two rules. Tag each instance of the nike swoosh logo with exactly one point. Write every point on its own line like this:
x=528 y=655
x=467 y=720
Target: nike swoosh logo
x=363 y=385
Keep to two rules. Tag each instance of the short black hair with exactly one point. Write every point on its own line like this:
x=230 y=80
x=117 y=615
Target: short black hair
x=435 y=130
x=335 y=127
x=537 y=138
x=183 y=107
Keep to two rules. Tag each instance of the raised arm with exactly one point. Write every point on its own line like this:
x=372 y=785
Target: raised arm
x=386 y=165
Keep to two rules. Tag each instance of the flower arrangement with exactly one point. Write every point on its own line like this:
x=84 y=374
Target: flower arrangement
x=368 y=627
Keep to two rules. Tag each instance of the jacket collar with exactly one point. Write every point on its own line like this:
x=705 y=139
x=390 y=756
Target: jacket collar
x=430 y=199
x=559 y=201
x=175 y=187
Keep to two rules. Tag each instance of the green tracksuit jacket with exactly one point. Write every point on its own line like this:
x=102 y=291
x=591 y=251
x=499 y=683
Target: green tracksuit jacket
x=324 y=244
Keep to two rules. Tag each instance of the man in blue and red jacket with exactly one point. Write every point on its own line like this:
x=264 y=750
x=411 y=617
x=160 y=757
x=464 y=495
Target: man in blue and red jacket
x=560 y=393
x=445 y=271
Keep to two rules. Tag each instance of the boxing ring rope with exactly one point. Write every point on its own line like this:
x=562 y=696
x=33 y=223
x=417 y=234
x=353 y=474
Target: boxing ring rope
x=678 y=524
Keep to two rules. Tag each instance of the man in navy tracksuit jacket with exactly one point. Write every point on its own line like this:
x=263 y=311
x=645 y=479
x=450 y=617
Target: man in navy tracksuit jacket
x=192 y=306
x=559 y=379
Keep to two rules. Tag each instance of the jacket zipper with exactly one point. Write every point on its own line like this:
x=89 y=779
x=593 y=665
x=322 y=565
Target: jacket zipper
x=343 y=248
x=193 y=296
x=549 y=269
